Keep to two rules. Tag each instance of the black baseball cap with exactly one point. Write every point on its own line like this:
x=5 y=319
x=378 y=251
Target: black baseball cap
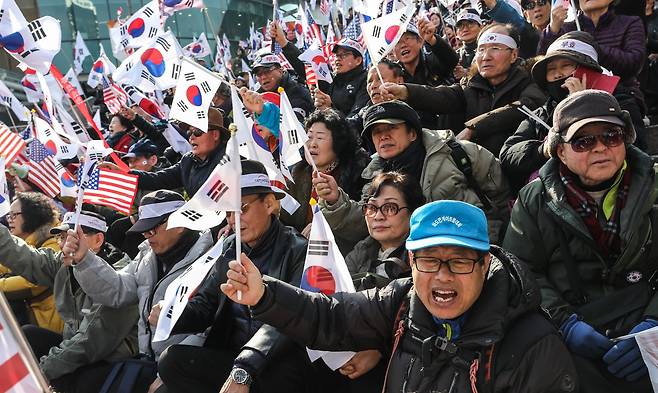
x=390 y=112
x=142 y=148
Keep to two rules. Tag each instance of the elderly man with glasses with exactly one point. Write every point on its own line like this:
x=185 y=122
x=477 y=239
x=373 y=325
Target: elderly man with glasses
x=467 y=320
x=586 y=228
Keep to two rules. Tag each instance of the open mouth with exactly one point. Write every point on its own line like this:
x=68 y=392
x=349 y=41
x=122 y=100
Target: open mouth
x=443 y=296
x=385 y=145
x=404 y=52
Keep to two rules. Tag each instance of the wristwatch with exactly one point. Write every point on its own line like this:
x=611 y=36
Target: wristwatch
x=241 y=376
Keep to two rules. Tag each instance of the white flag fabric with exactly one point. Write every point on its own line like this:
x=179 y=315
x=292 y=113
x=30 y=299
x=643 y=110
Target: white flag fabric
x=315 y=58
x=292 y=133
x=32 y=92
x=142 y=27
x=218 y=194
x=176 y=141
x=80 y=53
x=8 y=99
x=35 y=45
x=4 y=189
x=118 y=50
x=383 y=33
x=71 y=126
x=72 y=78
x=325 y=271
x=20 y=371
x=252 y=145
x=168 y=7
x=101 y=67
x=155 y=66
x=11 y=18
x=195 y=90
x=647 y=341
x=51 y=141
x=182 y=288
x=198 y=48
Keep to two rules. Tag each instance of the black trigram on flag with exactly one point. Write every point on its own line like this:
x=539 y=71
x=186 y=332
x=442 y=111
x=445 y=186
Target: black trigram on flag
x=163 y=43
x=95 y=156
x=47 y=132
x=200 y=115
x=124 y=42
x=318 y=247
x=170 y=312
x=181 y=292
x=2 y=13
x=209 y=259
x=124 y=29
x=403 y=18
x=191 y=215
x=217 y=190
x=189 y=76
x=175 y=71
x=148 y=77
x=37 y=30
x=205 y=87
x=376 y=31
x=7 y=100
x=182 y=106
x=148 y=11
x=381 y=51
x=292 y=137
x=64 y=149
x=152 y=32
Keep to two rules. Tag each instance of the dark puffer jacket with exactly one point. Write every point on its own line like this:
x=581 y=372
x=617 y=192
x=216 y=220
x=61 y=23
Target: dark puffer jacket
x=488 y=110
x=348 y=91
x=505 y=324
x=190 y=173
x=281 y=253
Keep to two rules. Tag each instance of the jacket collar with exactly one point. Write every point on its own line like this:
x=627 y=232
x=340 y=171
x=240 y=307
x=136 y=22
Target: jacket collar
x=508 y=292
x=516 y=75
x=349 y=75
x=213 y=156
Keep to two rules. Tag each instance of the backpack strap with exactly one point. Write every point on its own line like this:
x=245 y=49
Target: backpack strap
x=398 y=331
x=111 y=377
x=463 y=162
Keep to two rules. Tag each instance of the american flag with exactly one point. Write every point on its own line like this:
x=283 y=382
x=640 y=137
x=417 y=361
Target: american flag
x=325 y=7
x=311 y=77
x=313 y=30
x=353 y=31
x=114 y=96
x=10 y=144
x=110 y=188
x=328 y=47
x=42 y=172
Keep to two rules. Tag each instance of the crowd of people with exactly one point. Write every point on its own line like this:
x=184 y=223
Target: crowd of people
x=494 y=207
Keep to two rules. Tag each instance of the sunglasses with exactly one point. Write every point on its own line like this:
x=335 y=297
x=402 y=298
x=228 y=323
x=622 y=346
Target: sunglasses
x=610 y=138
x=528 y=5
x=196 y=132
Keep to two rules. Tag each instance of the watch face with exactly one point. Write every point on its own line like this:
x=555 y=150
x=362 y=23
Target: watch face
x=240 y=376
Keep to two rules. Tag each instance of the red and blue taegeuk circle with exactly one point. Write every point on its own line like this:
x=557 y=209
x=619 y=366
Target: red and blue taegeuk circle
x=67 y=180
x=194 y=95
x=390 y=33
x=13 y=42
x=98 y=66
x=196 y=48
x=136 y=28
x=318 y=279
x=50 y=146
x=171 y=3
x=153 y=61
x=28 y=84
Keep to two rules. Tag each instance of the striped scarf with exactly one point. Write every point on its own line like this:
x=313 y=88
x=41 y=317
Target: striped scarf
x=606 y=236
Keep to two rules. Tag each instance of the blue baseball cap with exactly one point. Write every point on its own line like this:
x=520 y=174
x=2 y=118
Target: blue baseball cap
x=448 y=223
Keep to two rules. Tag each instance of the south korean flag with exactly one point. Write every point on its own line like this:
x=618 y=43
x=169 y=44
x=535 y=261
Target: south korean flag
x=142 y=27
x=195 y=90
x=35 y=45
x=156 y=66
x=220 y=193
x=383 y=33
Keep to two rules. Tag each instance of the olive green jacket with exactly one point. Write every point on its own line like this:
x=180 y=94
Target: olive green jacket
x=542 y=217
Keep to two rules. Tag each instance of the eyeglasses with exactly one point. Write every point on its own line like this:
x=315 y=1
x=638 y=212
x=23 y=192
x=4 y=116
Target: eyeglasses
x=388 y=209
x=12 y=216
x=611 y=138
x=343 y=55
x=455 y=265
x=264 y=71
x=528 y=5
x=194 y=131
x=154 y=230
x=493 y=50
x=244 y=208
